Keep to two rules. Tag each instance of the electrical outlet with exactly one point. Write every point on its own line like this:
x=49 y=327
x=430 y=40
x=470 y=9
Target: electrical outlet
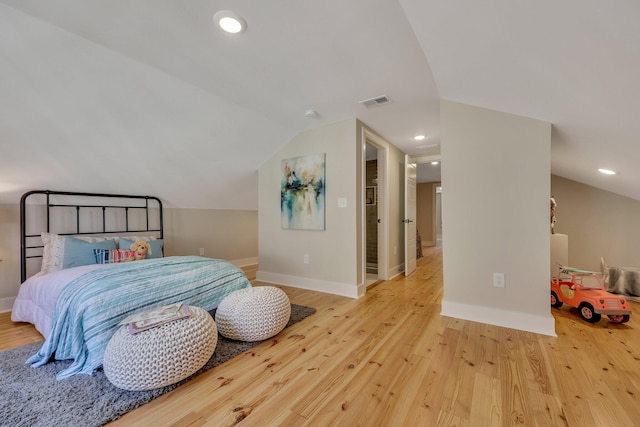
x=306 y=258
x=201 y=251
x=498 y=280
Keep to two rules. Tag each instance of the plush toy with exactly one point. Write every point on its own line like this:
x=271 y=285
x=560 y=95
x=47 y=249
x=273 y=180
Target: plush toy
x=553 y=214
x=140 y=250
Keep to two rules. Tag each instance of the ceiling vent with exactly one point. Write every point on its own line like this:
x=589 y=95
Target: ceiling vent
x=428 y=147
x=378 y=100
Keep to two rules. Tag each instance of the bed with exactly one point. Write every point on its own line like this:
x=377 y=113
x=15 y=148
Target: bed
x=79 y=291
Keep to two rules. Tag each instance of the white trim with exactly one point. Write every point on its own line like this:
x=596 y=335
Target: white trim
x=6 y=304
x=363 y=221
x=498 y=317
x=434 y=211
x=409 y=215
x=396 y=270
x=243 y=262
x=336 y=288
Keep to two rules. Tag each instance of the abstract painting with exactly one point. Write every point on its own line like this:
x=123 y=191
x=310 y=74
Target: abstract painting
x=302 y=193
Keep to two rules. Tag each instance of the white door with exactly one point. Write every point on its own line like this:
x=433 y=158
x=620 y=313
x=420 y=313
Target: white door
x=410 y=237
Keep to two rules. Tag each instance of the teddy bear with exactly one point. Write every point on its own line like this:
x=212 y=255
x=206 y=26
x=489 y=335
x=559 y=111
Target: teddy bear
x=140 y=250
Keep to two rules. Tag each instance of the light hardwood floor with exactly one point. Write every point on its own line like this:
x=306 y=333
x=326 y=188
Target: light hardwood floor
x=390 y=359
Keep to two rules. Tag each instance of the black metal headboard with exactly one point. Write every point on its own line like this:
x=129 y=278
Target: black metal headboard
x=116 y=217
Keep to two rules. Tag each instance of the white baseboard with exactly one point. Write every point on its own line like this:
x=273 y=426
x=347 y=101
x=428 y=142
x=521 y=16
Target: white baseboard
x=243 y=262
x=395 y=271
x=6 y=304
x=336 y=288
x=544 y=325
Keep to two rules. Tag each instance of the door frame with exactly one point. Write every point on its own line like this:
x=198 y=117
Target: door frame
x=369 y=137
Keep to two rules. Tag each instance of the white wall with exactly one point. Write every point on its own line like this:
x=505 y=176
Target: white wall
x=495 y=209
x=225 y=234
x=335 y=254
x=332 y=252
x=10 y=254
x=599 y=224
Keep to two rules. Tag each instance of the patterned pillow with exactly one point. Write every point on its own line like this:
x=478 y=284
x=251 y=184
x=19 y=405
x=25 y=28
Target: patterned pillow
x=52 y=253
x=110 y=256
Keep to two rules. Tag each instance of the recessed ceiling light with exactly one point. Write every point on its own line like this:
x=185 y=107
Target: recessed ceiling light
x=435 y=163
x=230 y=21
x=419 y=137
x=606 y=171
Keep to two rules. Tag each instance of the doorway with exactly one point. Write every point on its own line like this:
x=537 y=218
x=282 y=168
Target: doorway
x=429 y=199
x=374 y=200
x=371 y=203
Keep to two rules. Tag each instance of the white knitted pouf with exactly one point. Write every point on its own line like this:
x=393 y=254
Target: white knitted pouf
x=253 y=314
x=162 y=355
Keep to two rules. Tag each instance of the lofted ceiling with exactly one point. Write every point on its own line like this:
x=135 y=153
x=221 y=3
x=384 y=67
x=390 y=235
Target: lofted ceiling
x=149 y=97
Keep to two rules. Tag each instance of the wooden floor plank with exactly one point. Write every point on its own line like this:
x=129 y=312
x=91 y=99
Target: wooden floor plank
x=486 y=408
x=390 y=358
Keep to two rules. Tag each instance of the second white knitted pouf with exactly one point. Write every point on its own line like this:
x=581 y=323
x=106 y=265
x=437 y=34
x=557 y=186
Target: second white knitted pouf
x=253 y=314
x=162 y=355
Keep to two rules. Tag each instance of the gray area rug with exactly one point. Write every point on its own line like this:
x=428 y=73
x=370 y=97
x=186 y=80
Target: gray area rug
x=33 y=397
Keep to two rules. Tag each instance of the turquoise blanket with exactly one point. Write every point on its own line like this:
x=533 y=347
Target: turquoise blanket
x=89 y=308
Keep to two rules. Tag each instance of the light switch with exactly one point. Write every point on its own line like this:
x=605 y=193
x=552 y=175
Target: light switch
x=342 y=202
x=498 y=280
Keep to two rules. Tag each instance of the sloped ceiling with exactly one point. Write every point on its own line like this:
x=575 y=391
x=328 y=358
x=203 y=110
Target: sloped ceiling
x=149 y=97
x=573 y=63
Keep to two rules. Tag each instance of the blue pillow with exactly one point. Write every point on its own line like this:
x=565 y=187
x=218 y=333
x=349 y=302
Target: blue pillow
x=155 y=245
x=78 y=252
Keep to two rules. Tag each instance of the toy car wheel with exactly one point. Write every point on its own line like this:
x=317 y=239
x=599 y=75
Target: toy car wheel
x=587 y=313
x=615 y=318
x=555 y=302
x=620 y=318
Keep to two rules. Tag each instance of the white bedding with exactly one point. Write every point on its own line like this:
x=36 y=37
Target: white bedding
x=37 y=296
x=87 y=310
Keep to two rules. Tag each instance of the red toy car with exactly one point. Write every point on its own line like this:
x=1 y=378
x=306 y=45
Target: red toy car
x=585 y=290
